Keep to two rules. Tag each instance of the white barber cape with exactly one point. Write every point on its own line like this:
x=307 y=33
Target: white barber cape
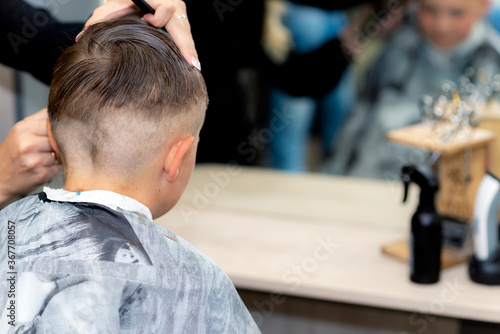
x=95 y=262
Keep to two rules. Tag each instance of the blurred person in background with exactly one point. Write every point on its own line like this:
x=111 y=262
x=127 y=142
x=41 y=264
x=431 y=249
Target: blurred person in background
x=439 y=41
x=310 y=28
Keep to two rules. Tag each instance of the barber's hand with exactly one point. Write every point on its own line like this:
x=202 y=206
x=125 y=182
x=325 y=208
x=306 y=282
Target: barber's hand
x=170 y=14
x=26 y=158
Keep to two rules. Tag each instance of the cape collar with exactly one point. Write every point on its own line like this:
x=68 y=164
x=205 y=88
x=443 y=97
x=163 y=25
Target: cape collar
x=107 y=198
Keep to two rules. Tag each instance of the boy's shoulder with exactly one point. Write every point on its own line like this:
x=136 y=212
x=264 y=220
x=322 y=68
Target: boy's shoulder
x=68 y=231
x=492 y=38
x=487 y=55
x=86 y=231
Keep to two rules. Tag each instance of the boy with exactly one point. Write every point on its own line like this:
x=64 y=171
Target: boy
x=447 y=37
x=125 y=113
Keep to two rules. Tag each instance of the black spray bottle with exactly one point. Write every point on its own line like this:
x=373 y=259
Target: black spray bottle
x=426 y=229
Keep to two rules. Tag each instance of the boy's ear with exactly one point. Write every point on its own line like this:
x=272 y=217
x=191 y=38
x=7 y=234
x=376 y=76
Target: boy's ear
x=174 y=157
x=52 y=141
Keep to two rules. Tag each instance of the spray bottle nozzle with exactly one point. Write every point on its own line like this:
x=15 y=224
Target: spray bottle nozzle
x=425 y=179
x=406 y=181
x=406 y=172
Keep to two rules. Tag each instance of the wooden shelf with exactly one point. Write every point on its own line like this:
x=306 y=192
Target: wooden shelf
x=424 y=137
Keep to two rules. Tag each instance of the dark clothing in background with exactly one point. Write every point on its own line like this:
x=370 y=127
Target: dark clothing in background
x=31 y=39
x=333 y=5
x=227 y=38
x=312 y=74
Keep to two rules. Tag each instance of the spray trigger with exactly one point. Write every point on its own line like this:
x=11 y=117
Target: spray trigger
x=406 y=181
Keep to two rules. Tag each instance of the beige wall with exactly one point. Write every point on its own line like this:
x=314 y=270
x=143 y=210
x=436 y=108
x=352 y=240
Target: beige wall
x=7 y=101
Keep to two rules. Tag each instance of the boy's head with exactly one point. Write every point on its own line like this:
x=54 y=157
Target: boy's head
x=125 y=111
x=447 y=23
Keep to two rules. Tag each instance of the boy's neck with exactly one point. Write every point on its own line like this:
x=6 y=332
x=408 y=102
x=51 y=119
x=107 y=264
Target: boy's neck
x=132 y=188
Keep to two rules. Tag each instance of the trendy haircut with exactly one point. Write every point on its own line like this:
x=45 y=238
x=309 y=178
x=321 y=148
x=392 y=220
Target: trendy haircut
x=119 y=94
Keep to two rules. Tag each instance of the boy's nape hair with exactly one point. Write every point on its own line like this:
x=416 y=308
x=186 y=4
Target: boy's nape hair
x=119 y=92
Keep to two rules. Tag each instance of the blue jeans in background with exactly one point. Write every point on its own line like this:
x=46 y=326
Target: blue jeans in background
x=290 y=142
x=311 y=28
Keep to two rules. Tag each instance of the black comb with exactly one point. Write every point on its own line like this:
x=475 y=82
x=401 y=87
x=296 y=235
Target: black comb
x=144 y=6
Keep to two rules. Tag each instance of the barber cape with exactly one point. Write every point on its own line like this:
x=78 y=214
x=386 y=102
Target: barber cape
x=95 y=262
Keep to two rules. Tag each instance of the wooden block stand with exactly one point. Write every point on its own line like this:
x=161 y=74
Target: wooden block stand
x=464 y=161
x=490 y=120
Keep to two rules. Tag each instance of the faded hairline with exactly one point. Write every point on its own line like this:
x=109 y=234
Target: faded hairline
x=120 y=94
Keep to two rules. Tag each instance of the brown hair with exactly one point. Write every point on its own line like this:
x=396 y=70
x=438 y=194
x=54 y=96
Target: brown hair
x=119 y=92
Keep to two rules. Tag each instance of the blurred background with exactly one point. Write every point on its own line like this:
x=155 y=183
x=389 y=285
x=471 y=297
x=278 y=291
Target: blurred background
x=284 y=77
x=20 y=93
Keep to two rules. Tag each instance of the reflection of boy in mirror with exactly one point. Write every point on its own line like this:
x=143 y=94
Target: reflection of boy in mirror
x=439 y=41
x=447 y=23
x=125 y=112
